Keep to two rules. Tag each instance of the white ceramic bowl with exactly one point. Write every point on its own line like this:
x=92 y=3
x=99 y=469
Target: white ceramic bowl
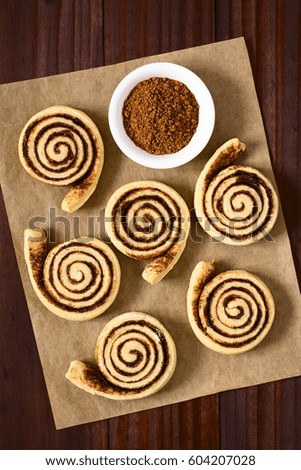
x=206 y=115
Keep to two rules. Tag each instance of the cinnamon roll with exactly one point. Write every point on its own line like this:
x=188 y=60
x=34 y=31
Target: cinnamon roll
x=231 y=312
x=148 y=219
x=62 y=146
x=135 y=356
x=234 y=204
x=76 y=280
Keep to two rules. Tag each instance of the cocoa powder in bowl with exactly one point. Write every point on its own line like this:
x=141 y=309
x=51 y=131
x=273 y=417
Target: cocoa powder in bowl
x=160 y=115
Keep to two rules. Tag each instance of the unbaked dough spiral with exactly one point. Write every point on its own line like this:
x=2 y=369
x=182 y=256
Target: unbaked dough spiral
x=148 y=219
x=135 y=355
x=235 y=204
x=62 y=146
x=230 y=313
x=76 y=280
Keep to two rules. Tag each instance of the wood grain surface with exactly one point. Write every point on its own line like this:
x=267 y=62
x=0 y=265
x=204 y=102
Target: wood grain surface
x=45 y=37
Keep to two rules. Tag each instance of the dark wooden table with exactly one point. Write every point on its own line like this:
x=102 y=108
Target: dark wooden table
x=46 y=37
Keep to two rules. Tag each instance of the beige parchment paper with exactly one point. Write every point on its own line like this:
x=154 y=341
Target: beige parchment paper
x=225 y=69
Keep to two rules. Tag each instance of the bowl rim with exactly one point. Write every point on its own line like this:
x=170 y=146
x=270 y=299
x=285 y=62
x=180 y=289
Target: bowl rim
x=206 y=115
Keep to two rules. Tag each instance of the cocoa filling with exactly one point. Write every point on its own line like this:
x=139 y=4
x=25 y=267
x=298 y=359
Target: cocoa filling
x=138 y=354
x=160 y=115
x=97 y=381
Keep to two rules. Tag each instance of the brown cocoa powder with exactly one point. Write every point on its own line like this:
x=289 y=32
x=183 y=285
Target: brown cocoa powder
x=160 y=115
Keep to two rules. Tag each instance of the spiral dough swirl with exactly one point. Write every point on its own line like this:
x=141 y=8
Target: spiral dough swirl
x=135 y=356
x=148 y=219
x=61 y=146
x=78 y=280
x=235 y=204
x=231 y=312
